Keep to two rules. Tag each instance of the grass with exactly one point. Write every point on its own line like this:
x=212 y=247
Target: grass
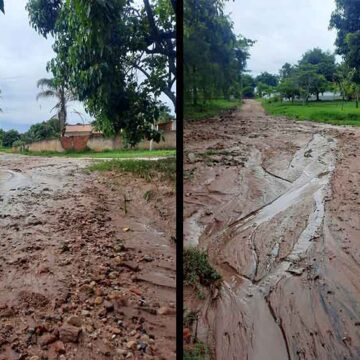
x=164 y=169
x=197 y=269
x=114 y=154
x=330 y=112
x=209 y=109
x=198 y=351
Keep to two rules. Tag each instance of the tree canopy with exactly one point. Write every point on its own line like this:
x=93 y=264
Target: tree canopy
x=214 y=56
x=100 y=49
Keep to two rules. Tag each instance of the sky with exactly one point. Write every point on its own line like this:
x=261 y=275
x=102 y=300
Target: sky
x=283 y=29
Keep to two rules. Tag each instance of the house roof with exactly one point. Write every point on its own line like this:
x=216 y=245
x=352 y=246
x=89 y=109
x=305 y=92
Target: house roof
x=81 y=128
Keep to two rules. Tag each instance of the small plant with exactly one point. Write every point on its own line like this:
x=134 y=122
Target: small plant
x=149 y=195
x=197 y=351
x=197 y=270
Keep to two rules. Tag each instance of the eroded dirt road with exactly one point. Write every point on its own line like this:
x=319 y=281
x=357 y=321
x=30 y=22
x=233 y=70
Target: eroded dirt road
x=276 y=204
x=79 y=277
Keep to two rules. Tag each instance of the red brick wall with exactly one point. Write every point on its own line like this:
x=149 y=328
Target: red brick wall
x=76 y=143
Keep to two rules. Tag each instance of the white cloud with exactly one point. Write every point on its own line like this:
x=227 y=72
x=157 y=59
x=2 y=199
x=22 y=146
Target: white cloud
x=283 y=29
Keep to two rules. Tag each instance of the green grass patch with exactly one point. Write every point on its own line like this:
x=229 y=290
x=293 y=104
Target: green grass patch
x=197 y=351
x=209 y=109
x=197 y=269
x=164 y=169
x=113 y=154
x=331 y=112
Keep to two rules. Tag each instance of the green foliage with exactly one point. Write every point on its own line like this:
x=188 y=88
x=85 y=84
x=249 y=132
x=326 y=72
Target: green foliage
x=100 y=47
x=248 y=86
x=346 y=20
x=267 y=79
x=149 y=170
x=113 y=154
x=209 y=109
x=331 y=112
x=197 y=269
x=9 y=137
x=43 y=15
x=214 y=57
x=198 y=351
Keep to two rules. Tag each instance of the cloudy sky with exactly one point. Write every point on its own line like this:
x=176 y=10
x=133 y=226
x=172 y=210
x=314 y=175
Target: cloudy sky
x=23 y=58
x=283 y=29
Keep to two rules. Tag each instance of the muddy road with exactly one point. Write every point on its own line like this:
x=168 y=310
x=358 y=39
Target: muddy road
x=84 y=274
x=275 y=203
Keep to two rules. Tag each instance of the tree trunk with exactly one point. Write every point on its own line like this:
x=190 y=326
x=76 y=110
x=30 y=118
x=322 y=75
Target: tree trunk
x=194 y=87
x=317 y=97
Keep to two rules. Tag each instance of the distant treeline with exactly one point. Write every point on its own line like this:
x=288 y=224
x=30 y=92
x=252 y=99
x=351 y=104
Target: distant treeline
x=41 y=131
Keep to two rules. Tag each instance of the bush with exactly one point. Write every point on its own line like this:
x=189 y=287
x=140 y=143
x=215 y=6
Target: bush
x=198 y=351
x=197 y=269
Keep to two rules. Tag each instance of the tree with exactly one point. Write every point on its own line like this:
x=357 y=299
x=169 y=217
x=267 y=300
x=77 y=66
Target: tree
x=214 y=56
x=323 y=63
x=346 y=20
x=63 y=97
x=100 y=48
x=41 y=131
x=248 y=86
x=288 y=88
x=2 y=6
x=267 y=79
x=10 y=137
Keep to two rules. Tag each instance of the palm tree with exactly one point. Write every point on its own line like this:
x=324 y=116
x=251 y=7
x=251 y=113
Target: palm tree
x=63 y=96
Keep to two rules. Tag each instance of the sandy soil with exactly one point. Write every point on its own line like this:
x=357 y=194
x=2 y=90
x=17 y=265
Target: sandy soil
x=275 y=203
x=79 y=277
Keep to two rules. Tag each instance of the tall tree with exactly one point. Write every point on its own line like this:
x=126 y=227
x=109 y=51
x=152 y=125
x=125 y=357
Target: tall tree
x=50 y=89
x=323 y=63
x=214 y=56
x=267 y=79
x=2 y=6
x=100 y=48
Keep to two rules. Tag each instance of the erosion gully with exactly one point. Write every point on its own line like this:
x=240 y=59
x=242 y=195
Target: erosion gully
x=81 y=276
x=275 y=203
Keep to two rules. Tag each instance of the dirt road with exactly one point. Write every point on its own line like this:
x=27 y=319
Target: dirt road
x=275 y=203
x=80 y=276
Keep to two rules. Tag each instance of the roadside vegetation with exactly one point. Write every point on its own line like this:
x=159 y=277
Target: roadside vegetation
x=197 y=351
x=116 y=154
x=331 y=112
x=164 y=169
x=209 y=43
x=209 y=109
x=198 y=271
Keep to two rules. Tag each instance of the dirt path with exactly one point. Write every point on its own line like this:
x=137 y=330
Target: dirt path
x=276 y=205
x=79 y=278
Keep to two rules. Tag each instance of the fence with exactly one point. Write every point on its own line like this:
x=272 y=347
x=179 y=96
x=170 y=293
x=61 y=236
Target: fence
x=98 y=143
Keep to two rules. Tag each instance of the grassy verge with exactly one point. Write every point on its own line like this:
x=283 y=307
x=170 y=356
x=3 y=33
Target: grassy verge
x=164 y=169
x=331 y=112
x=209 y=109
x=115 y=154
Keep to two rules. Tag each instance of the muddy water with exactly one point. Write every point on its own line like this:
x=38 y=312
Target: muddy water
x=288 y=289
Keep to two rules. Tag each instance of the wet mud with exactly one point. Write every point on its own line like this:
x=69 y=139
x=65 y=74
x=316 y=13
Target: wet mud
x=275 y=204
x=87 y=266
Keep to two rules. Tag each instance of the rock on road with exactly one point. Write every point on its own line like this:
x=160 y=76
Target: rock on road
x=79 y=278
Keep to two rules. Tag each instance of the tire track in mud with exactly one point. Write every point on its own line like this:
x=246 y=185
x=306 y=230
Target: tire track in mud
x=272 y=256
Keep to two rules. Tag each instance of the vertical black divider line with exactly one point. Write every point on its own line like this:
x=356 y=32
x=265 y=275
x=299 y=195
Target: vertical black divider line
x=179 y=180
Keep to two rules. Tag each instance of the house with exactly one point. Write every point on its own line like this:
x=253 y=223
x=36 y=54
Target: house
x=167 y=126
x=80 y=130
